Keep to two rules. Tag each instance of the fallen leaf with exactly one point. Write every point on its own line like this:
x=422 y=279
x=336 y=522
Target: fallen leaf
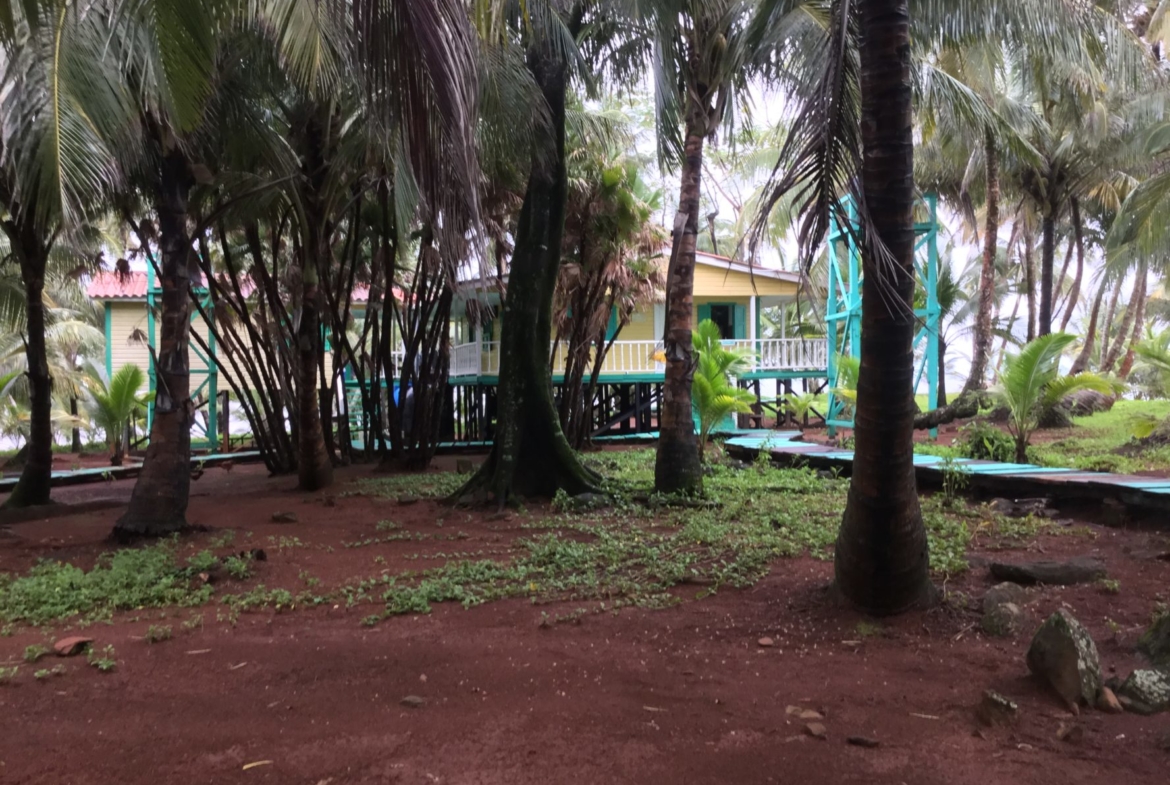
x=237 y=666
x=199 y=651
x=254 y=764
x=652 y=708
x=925 y=716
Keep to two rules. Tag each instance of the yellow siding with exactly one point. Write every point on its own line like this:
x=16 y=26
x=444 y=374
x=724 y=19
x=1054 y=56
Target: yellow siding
x=641 y=326
x=125 y=318
x=723 y=285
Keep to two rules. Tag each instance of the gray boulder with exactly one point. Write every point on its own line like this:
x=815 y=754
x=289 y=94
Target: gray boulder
x=1002 y=593
x=1146 y=692
x=1064 y=656
x=1084 y=402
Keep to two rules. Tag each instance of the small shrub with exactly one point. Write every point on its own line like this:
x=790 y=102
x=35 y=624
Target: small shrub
x=157 y=633
x=239 y=567
x=985 y=442
x=35 y=652
x=103 y=661
x=8 y=674
x=45 y=673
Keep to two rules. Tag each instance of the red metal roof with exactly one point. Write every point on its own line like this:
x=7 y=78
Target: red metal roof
x=111 y=286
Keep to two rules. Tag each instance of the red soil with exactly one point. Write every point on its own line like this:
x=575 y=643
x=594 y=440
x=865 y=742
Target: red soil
x=683 y=695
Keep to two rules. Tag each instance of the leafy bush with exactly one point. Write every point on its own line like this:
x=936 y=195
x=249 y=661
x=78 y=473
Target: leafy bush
x=985 y=442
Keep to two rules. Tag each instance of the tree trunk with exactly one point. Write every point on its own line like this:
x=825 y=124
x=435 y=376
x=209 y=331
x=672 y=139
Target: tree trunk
x=314 y=465
x=981 y=341
x=35 y=478
x=1108 y=330
x=1030 y=283
x=1047 y=254
x=678 y=467
x=1082 y=360
x=1138 y=325
x=73 y=410
x=882 y=560
x=158 y=505
x=1075 y=292
x=942 y=373
x=1127 y=321
x=530 y=456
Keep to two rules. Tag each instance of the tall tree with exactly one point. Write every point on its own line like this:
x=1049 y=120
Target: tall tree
x=60 y=110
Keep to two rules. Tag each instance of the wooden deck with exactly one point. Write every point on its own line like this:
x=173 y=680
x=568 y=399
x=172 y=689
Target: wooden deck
x=1015 y=480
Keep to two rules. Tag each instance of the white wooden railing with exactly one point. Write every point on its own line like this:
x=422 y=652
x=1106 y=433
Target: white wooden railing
x=635 y=357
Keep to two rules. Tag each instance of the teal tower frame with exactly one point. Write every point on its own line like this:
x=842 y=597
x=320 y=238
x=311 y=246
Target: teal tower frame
x=202 y=381
x=843 y=306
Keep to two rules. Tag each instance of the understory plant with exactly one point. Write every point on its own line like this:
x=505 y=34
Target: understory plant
x=714 y=390
x=1031 y=384
x=116 y=403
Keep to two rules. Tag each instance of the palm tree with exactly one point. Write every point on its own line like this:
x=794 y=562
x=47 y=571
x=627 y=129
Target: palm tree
x=116 y=403
x=1032 y=384
x=54 y=165
x=716 y=394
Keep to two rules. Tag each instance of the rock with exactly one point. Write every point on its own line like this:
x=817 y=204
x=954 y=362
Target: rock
x=1107 y=701
x=68 y=647
x=766 y=642
x=1003 y=620
x=816 y=730
x=284 y=517
x=809 y=714
x=1079 y=570
x=405 y=501
x=1085 y=402
x=413 y=702
x=1022 y=508
x=793 y=711
x=1155 y=642
x=1148 y=692
x=501 y=515
x=1070 y=732
x=464 y=466
x=995 y=709
x=1064 y=656
x=863 y=741
x=1002 y=593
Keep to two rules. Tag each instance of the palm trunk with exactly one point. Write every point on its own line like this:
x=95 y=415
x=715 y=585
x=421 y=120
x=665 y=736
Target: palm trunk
x=35 y=478
x=977 y=380
x=158 y=505
x=882 y=558
x=1047 y=255
x=1127 y=321
x=1030 y=283
x=73 y=411
x=678 y=467
x=1075 y=292
x=942 y=373
x=530 y=456
x=1082 y=360
x=1138 y=325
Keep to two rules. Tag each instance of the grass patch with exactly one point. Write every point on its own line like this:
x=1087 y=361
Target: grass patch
x=52 y=591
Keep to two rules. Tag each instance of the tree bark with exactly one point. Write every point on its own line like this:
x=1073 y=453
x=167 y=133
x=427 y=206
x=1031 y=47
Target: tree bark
x=34 y=484
x=882 y=559
x=677 y=466
x=981 y=351
x=1030 y=283
x=1127 y=321
x=158 y=504
x=314 y=464
x=1138 y=325
x=530 y=456
x=1082 y=360
x=1047 y=254
x=73 y=410
x=1075 y=292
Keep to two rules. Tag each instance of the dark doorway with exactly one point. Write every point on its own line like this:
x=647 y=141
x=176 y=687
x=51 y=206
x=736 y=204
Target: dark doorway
x=724 y=316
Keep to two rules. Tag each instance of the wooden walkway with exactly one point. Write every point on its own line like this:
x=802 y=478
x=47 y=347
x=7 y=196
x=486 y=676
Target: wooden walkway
x=127 y=471
x=1014 y=480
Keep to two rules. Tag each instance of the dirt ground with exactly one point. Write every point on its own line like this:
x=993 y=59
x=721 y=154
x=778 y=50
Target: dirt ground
x=681 y=695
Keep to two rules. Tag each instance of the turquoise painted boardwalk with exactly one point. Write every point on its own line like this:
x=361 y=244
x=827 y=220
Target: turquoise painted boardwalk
x=1001 y=479
x=106 y=473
